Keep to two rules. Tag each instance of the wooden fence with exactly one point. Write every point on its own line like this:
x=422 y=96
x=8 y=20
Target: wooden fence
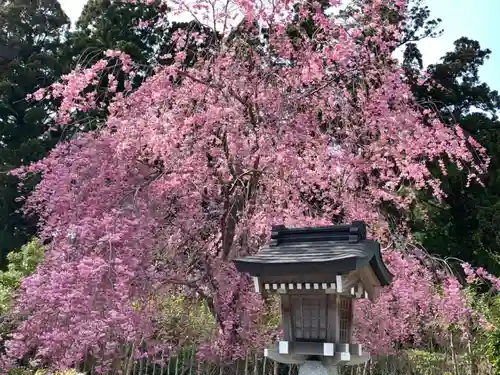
x=186 y=364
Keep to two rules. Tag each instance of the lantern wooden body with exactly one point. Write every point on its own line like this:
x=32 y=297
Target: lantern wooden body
x=318 y=272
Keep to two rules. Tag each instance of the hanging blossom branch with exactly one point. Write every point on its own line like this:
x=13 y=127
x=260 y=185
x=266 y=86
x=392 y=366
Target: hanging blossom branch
x=72 y=88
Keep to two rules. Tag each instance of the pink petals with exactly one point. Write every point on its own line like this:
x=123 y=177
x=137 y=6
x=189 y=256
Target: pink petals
x=193 y=168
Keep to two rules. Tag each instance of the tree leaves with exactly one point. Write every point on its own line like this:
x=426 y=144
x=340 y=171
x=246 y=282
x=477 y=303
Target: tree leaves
x=34 y=29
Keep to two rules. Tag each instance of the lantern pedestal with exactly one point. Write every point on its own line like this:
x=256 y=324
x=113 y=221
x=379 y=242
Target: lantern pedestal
x=316 y=368
x=297 y=353
x=339 y=358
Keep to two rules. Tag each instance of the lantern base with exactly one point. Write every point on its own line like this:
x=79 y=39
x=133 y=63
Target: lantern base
x=317 y=368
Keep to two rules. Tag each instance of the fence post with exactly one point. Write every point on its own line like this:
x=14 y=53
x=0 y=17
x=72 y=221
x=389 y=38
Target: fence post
x=162 y=365
x=177 y=363
x=191 y=360
x=246 y=363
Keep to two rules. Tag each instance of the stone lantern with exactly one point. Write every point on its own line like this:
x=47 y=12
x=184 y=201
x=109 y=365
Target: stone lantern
x=317 y=273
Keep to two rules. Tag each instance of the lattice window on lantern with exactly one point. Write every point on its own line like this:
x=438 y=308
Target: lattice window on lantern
x=309 y=317
x=345 y=312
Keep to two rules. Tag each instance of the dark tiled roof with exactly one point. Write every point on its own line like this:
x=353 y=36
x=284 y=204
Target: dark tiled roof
x=337 y=249
x=323 y=251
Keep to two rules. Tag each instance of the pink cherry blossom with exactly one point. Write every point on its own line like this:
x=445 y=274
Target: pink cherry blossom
x=193 y=167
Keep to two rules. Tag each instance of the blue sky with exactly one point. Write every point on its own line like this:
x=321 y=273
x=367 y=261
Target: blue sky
x=476 y=19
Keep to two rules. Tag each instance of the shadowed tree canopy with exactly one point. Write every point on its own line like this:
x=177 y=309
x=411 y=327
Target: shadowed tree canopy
x=32 y=31
x=107 y=24
x=465 y=225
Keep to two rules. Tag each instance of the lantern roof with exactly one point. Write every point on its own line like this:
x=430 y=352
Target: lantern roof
x=321 y=250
